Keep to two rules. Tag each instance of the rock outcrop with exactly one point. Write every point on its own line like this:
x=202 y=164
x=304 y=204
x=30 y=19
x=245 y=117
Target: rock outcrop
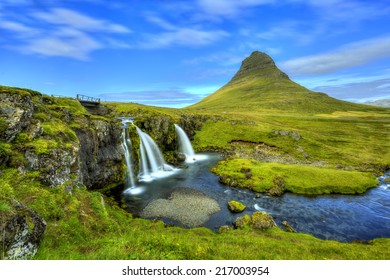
x=21 y=233
x=100 y=154
x=15 y=113
x=59 y=140
x=258 y=220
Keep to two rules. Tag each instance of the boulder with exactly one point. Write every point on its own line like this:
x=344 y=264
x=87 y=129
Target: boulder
x=287 y=227
x=262 y=220
x=22 y=233
x=236 y=207
x=259 y=220
x=181 y=157
x=223 y=229
x=242 y=222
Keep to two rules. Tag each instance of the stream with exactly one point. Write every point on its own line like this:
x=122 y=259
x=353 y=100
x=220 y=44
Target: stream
x=344 y=218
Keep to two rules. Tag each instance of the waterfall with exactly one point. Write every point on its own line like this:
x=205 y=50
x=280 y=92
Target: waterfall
x=126 y=145
x=152 y=160
x=185 y=146
x=127 y=148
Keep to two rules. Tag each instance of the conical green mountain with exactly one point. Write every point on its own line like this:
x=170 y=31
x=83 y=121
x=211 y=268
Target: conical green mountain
x=260 y=86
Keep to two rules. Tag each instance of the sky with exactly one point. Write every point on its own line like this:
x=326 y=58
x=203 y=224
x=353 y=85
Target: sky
x=173 y=53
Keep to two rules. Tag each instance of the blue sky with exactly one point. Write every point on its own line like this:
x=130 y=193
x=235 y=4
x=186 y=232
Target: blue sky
x=173 y=53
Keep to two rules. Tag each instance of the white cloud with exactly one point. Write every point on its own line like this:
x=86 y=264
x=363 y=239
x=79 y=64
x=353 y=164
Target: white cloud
x=358 y=91
x=173 y=98
x=222 y=58
x=229 y=8
x=176 y=35
x=60 y=16
x=63 y=32
x=348 y=10
x=350 y=55
x=78 y=47
x=17 y=27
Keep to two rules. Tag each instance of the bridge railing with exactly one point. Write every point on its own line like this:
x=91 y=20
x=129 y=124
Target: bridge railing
x=89 y=99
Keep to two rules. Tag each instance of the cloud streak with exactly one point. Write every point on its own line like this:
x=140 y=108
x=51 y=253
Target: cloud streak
x=350 y=55
x=174 y=98
x=359 y=91
x=229 y=8
x=63 y=33
x=177 y=35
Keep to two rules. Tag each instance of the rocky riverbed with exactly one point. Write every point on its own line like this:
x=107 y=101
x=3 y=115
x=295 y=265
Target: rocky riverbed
x=187 y=206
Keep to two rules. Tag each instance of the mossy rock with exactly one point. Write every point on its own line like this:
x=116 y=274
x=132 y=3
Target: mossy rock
x=236 y=207
x=387 y=180
x=277 y=188
x=223 y=229
x=262 y=220
x=242 y=222
x=287 y=227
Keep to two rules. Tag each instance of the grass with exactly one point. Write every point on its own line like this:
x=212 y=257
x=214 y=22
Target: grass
x=295 y=178
x=333 y=134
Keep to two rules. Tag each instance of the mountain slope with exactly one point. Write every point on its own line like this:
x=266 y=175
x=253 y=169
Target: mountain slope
x=260 y=86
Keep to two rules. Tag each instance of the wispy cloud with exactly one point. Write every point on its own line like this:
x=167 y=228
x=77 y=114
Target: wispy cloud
x=347 y=56
x=347 y=10
x=66 y=17
x=359 y=91
x=174 y=98
x=229 y=8
x=222 y=58
x=62 y=32
x=178 y=35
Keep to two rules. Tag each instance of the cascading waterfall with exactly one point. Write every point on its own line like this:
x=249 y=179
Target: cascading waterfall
x=152 y=160
x=185 y=146
x=152 y=163
x=127 y=147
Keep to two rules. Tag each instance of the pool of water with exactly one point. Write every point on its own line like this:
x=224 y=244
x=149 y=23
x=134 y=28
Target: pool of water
x=336 y=217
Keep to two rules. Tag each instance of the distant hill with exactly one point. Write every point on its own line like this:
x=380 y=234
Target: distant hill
x=380 y=103
x=260 y=86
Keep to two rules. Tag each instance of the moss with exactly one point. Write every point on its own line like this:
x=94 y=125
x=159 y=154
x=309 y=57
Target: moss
x=43 y=146
x=262 y=220
x=242 y=222
x=236 y=206
x=5 y=149
x=3 y=125
x=44 y=117
x=296 y=178
x=5 y=207
x=22 y=137
x=278 y=186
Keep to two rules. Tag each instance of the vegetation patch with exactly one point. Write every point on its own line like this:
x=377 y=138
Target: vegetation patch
x=236 y=206
x=275 y=178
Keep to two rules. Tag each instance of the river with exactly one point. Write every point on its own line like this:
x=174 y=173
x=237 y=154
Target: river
x=337 y=217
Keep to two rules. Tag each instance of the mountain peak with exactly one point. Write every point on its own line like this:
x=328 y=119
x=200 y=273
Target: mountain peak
x=259 y=64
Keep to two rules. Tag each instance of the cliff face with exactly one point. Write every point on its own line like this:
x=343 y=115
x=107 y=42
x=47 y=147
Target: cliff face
x=59 y=139
x=100 y=154
x=57 y=144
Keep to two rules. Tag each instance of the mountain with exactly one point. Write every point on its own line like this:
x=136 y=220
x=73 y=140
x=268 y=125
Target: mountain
x=380 y=103
x=259 y=85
